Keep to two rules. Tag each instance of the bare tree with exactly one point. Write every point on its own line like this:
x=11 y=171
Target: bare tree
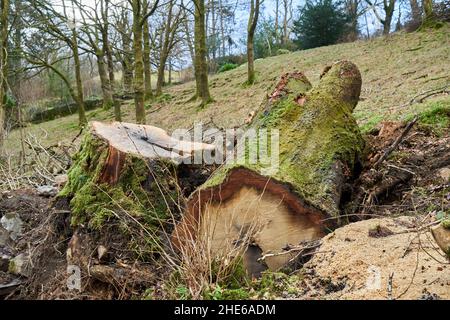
x=354 y=10
x=57 y=25
x=416 y=13
x=94 y=25
x=277 y=12
x=142 y=10
x=171 y=24
x=252 y=22
x=3 y=63
x=428 y=11
x=200 y=64
x=123 y=50
x=287 y=17
x=388 y=7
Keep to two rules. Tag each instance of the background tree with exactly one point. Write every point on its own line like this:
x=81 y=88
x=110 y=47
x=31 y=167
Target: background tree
x=266 y=40
x=252 y=22
x=428 y=17
x=354 y=10
x=200 y=64
x=173 y=17
x=123 y=50
x=287 y=17
x=388 y=7
x=95 y=36
x=320 y=23
x=416 y=11
x=53 y=26
x=4 y=4
x=142 y=10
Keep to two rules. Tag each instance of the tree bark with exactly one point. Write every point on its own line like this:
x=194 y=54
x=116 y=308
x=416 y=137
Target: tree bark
x=126 y=56
x=79 y=82
x=3 y=65
x=415 y=10
x=108 y=100
x=300 y=198
x=107 y=46
x=389 y=8
x=138 y=63
x=147 y=66
x=164 y=52
x=201 y=66
x=252 y=22
x=428 y=11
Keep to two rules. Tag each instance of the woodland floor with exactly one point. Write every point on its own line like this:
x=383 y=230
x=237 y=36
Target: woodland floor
x=386 y=237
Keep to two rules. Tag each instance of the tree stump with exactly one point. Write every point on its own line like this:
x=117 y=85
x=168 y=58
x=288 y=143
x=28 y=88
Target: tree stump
x=127 y=174
x=319 y=150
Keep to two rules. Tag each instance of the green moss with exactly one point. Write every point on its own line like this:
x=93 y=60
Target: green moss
x=273 y=284
x=434 y=116
x=12 y=267
x=446 y=224
x=313 y=137
x=219 y=293
x=370 y=124
x=227 y=66
x=138 y=194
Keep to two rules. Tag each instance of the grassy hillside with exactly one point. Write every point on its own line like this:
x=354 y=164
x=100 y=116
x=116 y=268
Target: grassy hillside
x=394 y=69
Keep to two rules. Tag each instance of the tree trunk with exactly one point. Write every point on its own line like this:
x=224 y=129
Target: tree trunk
x=252 y=22
x=108 y=100
x=164 y=52
x=138 y=65
x=79 y=82
x=222 y=28
x=428 y=11
x=201 y=66
x=161 y=70
x=415 y=10
x=299 y=197
x=352 y=11
x=3 y=65
x=277 y=9
x=169 y=81
x=128 y=75
x=389 y=8
x=127 y=63
x=147 y=66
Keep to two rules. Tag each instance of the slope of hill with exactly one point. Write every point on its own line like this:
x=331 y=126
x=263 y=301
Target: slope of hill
x=395 y=70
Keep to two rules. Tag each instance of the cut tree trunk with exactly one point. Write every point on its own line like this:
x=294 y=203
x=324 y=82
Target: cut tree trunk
x=127 y=174
x=277 y=207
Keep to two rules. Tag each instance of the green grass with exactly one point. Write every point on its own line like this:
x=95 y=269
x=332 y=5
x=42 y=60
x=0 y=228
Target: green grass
x=434 y=115
x=394 y=70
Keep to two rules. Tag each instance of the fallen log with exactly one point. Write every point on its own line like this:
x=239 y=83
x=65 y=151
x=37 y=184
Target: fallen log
x=319 y=150
x=127 y=173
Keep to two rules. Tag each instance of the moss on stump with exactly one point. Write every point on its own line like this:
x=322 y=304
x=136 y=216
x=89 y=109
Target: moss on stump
x=125 y=175
x=319 y=150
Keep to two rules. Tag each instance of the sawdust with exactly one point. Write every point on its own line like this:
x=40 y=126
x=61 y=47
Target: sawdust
x=402 y=265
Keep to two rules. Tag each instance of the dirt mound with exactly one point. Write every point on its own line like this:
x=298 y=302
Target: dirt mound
x=398 y=263
x=410 y=181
